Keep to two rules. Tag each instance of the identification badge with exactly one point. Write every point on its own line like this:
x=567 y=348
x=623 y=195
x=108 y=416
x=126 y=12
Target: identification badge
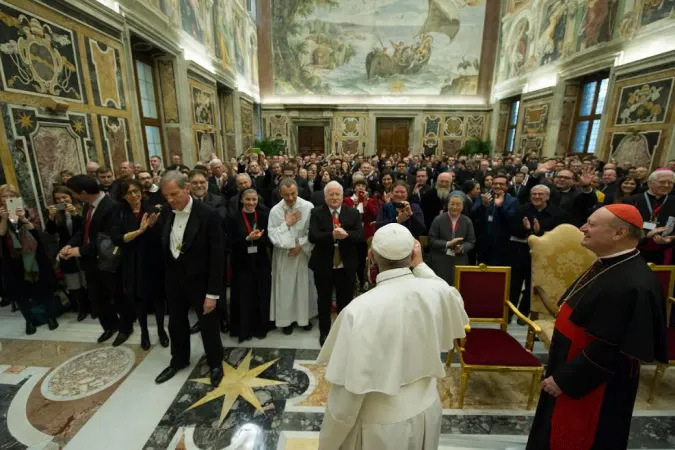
x=649 y=226
x=490 y=218
x=450 y=252
x=252 y=250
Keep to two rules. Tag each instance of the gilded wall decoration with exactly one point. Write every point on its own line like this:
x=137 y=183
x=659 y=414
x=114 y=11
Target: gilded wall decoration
x=566 y=120
x=247 y=137
x=203 y=106
x=37 y=56
x=115 y=139
x=532 y=124
x=205 y=143
x=536 y=119
x=644 y=102
x=454 y=126
x=105 y=73
x=432 y=125
x=452 y=146
x=42 y=146
x=475 y=126
x=529 y=143
x=351 y=145
x=634 y=149
x=277 y=126
x=430 y=146
x=502 y=127
x=349 y=127
x=167 y=86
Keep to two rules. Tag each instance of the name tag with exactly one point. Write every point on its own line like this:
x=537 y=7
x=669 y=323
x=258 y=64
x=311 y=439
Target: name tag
x=491 y=219
x=649 y=226
x=252 y=250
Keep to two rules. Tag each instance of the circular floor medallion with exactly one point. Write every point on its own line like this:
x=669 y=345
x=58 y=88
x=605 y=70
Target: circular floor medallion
x=88 y=373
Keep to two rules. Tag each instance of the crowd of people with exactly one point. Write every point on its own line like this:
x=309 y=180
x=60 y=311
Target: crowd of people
x=287 y=232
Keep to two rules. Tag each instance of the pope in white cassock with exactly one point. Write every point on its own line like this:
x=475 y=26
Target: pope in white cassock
x=384 y=353
x=293 y=293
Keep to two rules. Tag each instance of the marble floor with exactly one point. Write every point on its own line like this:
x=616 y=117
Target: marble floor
x=61 y=390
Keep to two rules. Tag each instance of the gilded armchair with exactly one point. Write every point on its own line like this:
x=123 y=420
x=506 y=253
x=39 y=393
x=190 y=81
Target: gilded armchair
x=666 y=276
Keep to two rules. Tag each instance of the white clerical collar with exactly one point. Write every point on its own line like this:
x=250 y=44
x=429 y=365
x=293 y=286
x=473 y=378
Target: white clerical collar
x=187 y=209
x=614 y=255
x=392 y=274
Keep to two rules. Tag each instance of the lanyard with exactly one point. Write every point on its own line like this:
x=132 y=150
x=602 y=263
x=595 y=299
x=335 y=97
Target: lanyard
x=248 y=225
x=653 y=212
x=455 y=226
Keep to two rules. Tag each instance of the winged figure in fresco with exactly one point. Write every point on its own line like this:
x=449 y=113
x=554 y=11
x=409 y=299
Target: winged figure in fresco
x=443 y=17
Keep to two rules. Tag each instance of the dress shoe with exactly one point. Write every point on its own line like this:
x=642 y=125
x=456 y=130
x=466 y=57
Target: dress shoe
x=216 y=376
x=94 y=315
x=288 y=330
x=81 y=316
x=52 y=324
x=245 y=339
x=521 y=322
x=224 y=328
x=5 y=302
x=163 y=338
x=107 y=334
x=307 y=327
x=30 y=328
x=122 y=338
x=14 y=307
x=196 y=328
x=145 y=340
x=322 y=339
x=168 y=374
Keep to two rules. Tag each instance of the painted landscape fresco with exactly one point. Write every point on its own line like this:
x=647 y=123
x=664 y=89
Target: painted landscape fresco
x=377 y=47
x=536 y=33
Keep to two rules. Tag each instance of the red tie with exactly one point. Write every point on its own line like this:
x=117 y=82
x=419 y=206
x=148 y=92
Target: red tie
x=87 y=223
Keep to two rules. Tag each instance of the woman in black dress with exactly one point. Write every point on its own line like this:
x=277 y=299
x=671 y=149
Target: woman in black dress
x=64 y=221
x=139 y=239
x=252 y=273
x=27 y=272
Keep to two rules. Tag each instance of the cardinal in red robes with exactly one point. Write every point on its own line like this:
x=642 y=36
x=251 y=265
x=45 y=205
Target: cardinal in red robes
x=611 y=320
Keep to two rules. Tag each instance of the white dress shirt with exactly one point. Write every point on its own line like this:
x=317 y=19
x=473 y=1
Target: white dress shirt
x=332 y=212
x=178 y=229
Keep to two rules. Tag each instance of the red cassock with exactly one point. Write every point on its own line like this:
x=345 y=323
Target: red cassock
x=612 y=320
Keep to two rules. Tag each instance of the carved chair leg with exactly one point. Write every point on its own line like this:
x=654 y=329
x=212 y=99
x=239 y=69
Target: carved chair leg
x=463 y=381
x=534 y=388
x=451 y=354
x=658 y=374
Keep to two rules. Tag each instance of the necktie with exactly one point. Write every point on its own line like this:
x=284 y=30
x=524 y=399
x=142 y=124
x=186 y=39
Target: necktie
x=87 y=224
x=336 y=251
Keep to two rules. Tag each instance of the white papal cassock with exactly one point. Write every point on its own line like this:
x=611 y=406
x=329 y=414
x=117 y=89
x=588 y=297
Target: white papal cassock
x=383 y=356
x=293 y=292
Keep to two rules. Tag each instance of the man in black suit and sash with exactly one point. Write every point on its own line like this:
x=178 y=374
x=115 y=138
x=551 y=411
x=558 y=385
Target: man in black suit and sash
x=192 y=242
x=335 y=230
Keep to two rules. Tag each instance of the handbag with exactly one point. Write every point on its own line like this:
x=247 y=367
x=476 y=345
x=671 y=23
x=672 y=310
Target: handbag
x=108 y=255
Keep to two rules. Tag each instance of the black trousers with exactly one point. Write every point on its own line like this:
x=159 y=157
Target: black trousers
x=115 y=311
x=362 y=252
x=38 y=296
x=521 y=271
x=344 y=283
x=182 y=293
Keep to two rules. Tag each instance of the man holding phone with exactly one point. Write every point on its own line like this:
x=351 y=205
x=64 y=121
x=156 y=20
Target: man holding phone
x=399 y=210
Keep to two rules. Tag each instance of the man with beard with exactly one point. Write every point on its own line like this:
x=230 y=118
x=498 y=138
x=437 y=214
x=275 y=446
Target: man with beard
x=421 y=186
x=199 y=189
x=435 y=200
x=150 y=190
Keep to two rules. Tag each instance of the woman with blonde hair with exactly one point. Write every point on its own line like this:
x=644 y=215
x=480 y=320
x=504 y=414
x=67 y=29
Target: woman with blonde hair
x=26 y=270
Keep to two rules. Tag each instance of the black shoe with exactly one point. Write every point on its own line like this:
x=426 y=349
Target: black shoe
x=107 y=334
x=521 y=322
x=195 y=328
x=5 y=302
x=121 y=338
x=307 y=327
x=168 y=374
x=145 y=341
x=81 y=316
x=163 y=338
x=53 y=324
x=216 y=376
x=322 y=339
x=224 y=328
x=94 y=315
x=14 y=307
x=245 y=339
x=288 y=330
x=30 y=328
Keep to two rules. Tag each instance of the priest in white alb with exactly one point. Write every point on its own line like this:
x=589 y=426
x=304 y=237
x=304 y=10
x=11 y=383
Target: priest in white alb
x=384 y=353
x=293 y=293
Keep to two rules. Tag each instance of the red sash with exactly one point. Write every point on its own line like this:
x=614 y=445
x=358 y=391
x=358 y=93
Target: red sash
x=248 y=225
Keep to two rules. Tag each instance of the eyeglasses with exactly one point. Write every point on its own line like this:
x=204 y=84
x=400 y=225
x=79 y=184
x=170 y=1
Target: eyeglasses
x=133 y=192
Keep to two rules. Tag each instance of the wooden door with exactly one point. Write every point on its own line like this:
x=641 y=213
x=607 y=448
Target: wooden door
x=310 y=140
x=393 y=136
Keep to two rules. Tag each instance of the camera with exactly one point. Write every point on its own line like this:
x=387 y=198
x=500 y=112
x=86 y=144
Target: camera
x=60 y=206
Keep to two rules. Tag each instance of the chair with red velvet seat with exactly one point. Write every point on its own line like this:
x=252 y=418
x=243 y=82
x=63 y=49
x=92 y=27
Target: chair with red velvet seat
x=485 y=291
x=666 y=276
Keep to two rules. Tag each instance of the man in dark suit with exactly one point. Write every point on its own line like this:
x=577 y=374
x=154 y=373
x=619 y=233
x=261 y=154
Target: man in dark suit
x=101 y=217
x=150 y=190
x=335 y=230
x=518 y=189
x=421 y=186
x=303 y=187
x=126 y=172
x=192 y=241
x=218 y=179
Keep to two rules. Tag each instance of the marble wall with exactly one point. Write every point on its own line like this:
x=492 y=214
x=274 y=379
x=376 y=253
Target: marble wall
x=350 y=132
x=447 y=132
x=533 y=122
x=205 y=122
x=639 y=121
x=79 y=67
x=247 y=132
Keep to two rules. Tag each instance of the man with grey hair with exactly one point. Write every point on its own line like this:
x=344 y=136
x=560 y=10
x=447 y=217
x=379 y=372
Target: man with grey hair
x=336 y=231
x=535 y=217
x=192 y=242
x=92 y=168
x=396 y=405
x=656 y=206
x=435 y=200
x=218 y=177
x=293 y=294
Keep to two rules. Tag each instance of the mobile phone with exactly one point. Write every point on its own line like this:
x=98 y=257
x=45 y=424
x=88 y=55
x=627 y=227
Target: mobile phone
x=14 y=203
x=60 y=206
x=670 y=226
x=399 y=205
